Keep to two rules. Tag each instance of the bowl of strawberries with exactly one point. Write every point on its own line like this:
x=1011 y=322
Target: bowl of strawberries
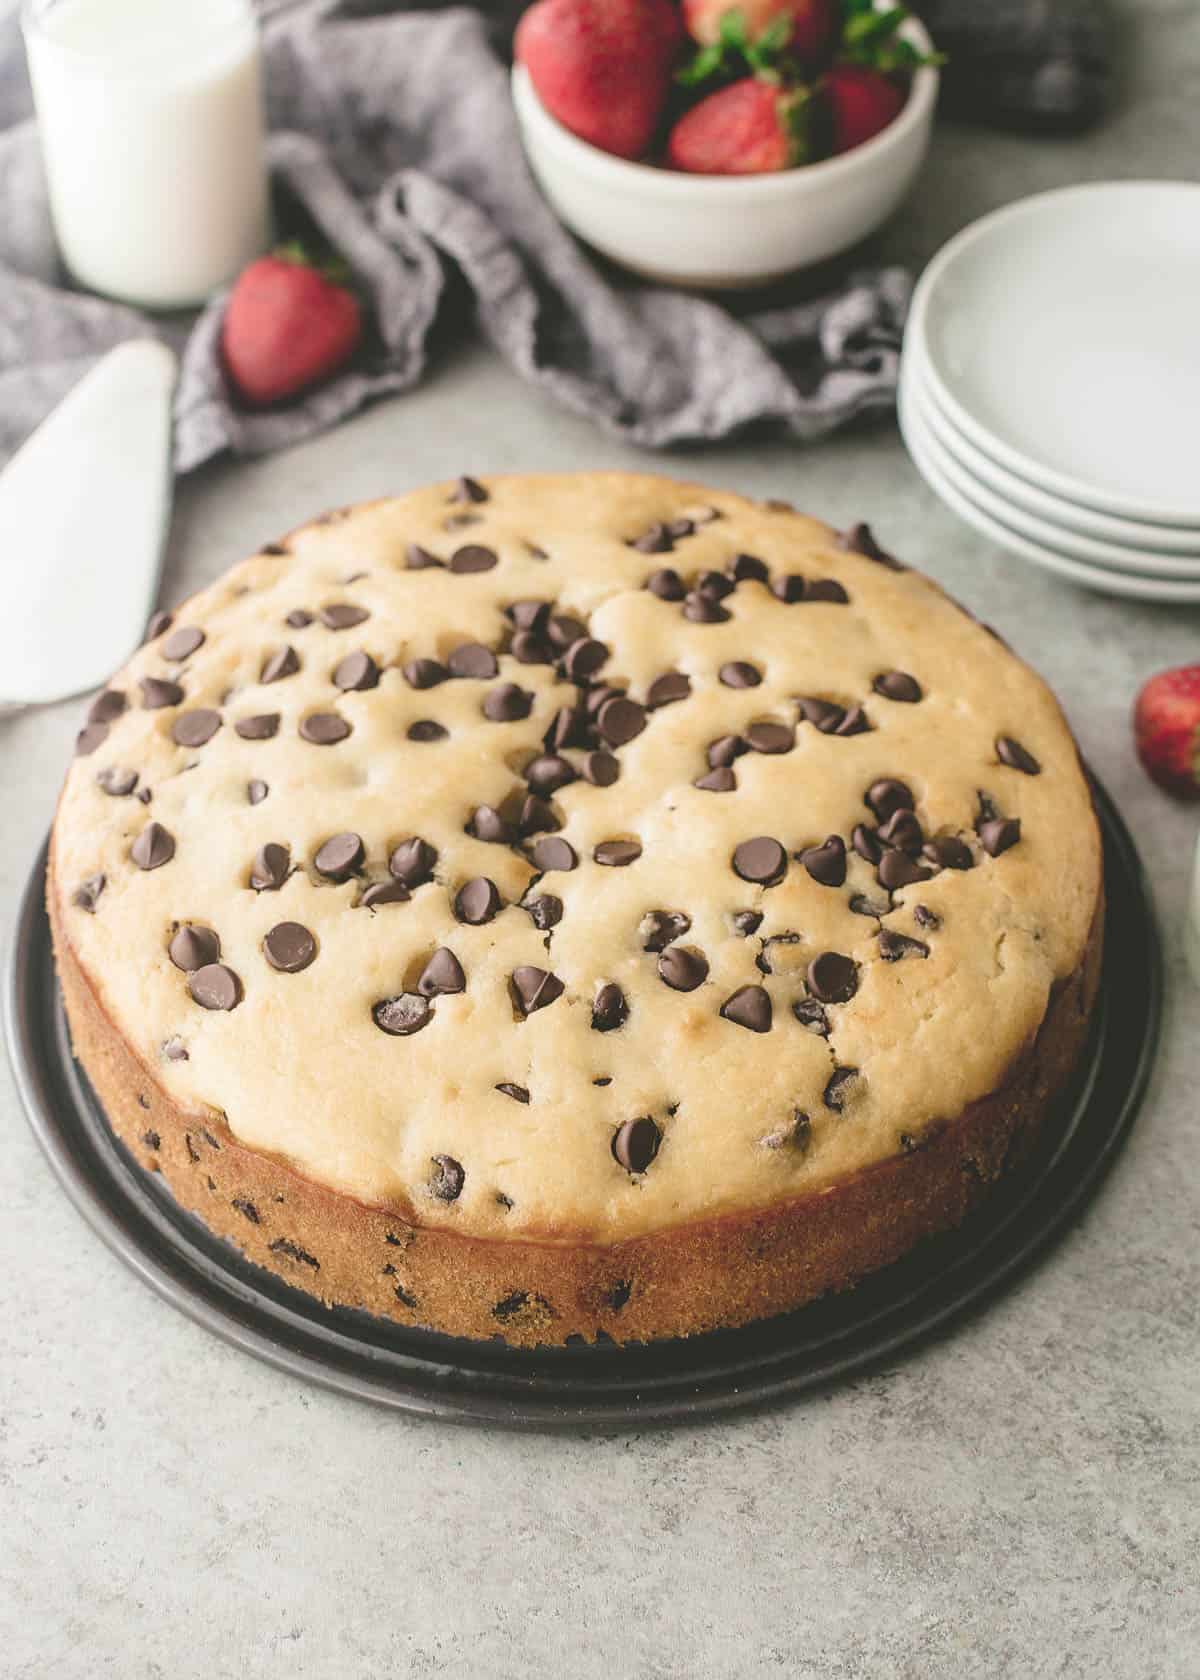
x=721 y=144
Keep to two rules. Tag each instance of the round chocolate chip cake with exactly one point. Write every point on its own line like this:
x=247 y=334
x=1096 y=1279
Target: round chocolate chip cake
x=576 y=906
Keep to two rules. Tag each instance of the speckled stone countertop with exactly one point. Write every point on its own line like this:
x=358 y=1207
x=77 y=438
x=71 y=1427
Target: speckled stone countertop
x=1020 y=1498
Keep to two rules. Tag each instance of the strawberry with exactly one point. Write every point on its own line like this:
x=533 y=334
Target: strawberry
x=750 y=127
x=602 y=67
x=287 y=326
x=1166 y=726
x=802 y=27
x=860 y=103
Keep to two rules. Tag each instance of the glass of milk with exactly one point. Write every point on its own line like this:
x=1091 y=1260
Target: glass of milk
x=151 y=119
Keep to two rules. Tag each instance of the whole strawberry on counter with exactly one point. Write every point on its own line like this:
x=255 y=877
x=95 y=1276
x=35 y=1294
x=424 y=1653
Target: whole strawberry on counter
x=288 y=325
x=602 y=67
x=1166 y=723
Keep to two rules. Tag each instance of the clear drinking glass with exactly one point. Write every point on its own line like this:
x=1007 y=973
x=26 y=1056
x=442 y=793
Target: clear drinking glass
x=151 y=121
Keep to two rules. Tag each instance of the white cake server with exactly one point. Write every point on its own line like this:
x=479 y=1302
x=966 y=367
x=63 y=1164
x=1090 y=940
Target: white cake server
x=85 y=505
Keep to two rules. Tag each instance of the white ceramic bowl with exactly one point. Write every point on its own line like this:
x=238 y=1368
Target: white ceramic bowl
x=721 y=232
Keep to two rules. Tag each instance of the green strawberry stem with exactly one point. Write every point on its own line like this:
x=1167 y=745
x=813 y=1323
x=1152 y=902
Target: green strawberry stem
x=330 y=265
x=867 y=37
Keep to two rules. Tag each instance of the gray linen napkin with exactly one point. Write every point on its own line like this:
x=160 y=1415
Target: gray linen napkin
x=395 y=136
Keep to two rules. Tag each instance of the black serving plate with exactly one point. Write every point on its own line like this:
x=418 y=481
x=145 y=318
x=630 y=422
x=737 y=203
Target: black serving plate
x=423 y=1372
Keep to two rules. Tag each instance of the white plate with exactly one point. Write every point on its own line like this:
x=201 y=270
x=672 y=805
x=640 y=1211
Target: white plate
x=1062 y=337
x=1075 y=571
x=1140 y=535
x=1112 y=556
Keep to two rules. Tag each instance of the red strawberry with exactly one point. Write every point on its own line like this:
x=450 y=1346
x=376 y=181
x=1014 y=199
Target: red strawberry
x=1166 y=725
x=748 y=128
x=287 y=326
x=602 y=67
x=804 y=27
x=860 y=102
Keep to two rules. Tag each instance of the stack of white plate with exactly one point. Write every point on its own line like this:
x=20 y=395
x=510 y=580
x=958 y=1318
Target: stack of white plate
x=1050 y=383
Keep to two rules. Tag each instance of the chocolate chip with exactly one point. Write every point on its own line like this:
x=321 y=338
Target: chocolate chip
x=358 y=671
x=826 y=863
x=822 y=714
x=182 y=643
x=832 y=977
x=716 y=585
x=256 y=791
x=998 y=834
x=812 y=1016
x=472 y=659
x=897 y=869
x=324 y=729
x=746 y=922
x=761 y=860
x=666 y=690
x=535 y=817
x=660 y=928
x=343 y=615
x=720 y=780
x=299 y=618
x=215 y=987
x=679 y=528
x=403 y=1015
x=418 y=559
x=284 y=662
x=888 y=795
x=143 y=796
x=597 y=696
x=193 y=729
x=826 y=589
x=549 y=772
x=902 y=830
x=584 y=658
x=530 y=647
x=117 y=782
x=790 y=589
x=553 y=853
x=617 y=854
x=601 y=769
x=859 y=539
x=770 y=738
x=749 y=1007
x=748 y=568
x=724 y=750
x=468 y=490
x=948 y=852
x=425 y=729
x=866 y=843
x=609 y=1010
x=544 y=912
x=175 y=1050
x=153 y=847
x=384 y=892
x=893 y=946
x=518 y=1093
x=1016 y=756
x=473 y=557
x=636 y=1143
x=529 y=614
x=87 y=892
x=534 y=988
x=563 y=631
x=289 y=947
x=666 y=584
x=157 y=692
x=477 y=901
x=656 y=539
x=194 y=947
x=270 y=868
x=107 y=706
x=442 y=974
x=855 y=722
x=507 y=703
x=159 y=623
x=412 y=862
x=261 y=727
x=837 y=1088
x=620 y=719
x=736 y=673
x=425 y=673
x=338 y=857
x=864 y=906
x=682 y=969
x=898 y=685
x=699 y=608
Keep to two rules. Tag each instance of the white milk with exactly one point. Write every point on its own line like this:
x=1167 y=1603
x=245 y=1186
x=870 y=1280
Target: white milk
x=152 y=129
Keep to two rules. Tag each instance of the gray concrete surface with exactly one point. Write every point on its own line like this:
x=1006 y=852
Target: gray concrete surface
x=1020 y=1499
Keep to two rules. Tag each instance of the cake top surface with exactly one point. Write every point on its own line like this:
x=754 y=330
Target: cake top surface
x=575 y=856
